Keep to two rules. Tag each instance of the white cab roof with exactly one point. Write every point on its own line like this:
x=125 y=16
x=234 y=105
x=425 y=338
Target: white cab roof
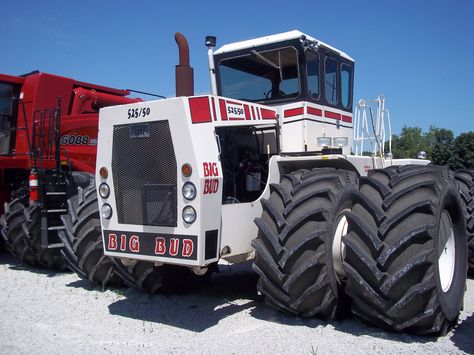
x=272 y=39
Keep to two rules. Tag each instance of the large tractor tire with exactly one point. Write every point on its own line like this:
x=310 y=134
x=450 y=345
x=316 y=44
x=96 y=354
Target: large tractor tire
x=48 y=258
x=141 y=275
x=82 y=238
x=405 y=253
x=171 y=279
x=15 y=238
x=298 y=243
x=465 y=181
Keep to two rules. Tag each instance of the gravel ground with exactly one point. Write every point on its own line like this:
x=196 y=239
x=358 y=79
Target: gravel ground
x=56 y=313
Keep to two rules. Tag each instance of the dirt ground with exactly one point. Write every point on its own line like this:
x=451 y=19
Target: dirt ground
x=44 y=312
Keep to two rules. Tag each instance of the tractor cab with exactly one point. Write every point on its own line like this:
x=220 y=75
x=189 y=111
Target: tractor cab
x=309 y=82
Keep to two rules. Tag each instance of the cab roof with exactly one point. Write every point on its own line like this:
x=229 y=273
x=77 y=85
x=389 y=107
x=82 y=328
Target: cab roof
x=280 y=37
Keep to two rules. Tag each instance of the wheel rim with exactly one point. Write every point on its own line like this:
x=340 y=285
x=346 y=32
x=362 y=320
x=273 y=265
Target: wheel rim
x=338 y=245
x=446 y=251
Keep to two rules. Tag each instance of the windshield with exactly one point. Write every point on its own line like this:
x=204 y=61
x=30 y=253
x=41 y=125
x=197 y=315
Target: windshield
x=6 y=116
x=261 y=76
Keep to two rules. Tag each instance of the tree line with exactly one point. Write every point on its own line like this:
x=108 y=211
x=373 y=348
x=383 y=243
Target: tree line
x=440 y=145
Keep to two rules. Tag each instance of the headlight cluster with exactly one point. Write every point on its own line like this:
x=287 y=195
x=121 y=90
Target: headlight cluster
x=189 y=192
x=333 y=142
x=104 y=192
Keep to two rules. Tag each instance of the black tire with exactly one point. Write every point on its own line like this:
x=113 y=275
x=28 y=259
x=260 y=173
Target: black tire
x=15 y=238
x=48 y=258
x=465 y=181
x=82 y=237
x=294 y=243
x=141 y=275
x=393 y=246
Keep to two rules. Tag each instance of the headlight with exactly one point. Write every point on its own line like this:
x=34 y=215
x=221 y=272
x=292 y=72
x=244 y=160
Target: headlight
x=324 y=141
x=189 y=191
x=104 y=190
x=106 y=211
x=189 y=214
x=340 y=141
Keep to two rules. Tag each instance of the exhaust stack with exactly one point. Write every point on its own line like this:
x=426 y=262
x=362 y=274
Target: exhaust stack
x=184 y=73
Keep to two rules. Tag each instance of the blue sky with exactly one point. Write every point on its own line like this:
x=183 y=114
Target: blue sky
x=419 y=54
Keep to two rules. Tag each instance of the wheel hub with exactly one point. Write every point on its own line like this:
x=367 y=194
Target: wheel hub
x=446 y=251
x=338 y=245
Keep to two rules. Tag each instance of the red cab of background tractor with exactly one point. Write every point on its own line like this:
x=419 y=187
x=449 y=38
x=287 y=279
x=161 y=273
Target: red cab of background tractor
x=27 y=106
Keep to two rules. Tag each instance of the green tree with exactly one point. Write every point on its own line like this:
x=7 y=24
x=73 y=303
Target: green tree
x=409 y=143
x=440 y=141
x=463 y=152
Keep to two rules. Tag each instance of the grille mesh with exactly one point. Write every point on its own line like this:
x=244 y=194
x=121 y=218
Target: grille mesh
x=144 y=171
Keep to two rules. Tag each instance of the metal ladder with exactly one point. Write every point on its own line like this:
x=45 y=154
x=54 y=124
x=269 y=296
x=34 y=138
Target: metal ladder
x=371 y=128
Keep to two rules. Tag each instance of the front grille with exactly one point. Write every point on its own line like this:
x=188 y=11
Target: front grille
x=144 y=172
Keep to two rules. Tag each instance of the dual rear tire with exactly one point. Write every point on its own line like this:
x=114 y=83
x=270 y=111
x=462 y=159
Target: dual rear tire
x=403 y=260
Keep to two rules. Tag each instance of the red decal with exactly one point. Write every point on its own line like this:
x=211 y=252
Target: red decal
x=134 y=244
x=294 y=112
x=247 y=112
x=188 y=248
x=214 y=108
x=160 y=246
x=315 y=111
x=211 y=186
x=210 y=169
x=234 y=103
x=174 y=246
x=200 y=110
x=112 y=242
x=123 y=242
x=347 y=119
x=223 y=109
x=268 y=114
x=334 y=115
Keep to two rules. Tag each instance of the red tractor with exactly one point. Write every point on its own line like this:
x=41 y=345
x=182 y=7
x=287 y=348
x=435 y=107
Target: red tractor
x=48 y=138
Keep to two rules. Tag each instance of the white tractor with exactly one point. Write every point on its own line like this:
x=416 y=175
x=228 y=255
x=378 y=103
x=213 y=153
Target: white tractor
x=270 y=167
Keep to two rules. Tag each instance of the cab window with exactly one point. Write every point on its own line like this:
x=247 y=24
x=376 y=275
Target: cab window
x=346 y=85
x=312 y=68
x=330 y=80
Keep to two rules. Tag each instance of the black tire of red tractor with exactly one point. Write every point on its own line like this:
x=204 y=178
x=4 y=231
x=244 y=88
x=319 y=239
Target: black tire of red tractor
x=465 y=181
x=141 y=275
x=47 y=258
x=15 y=238
x=294 y=243
x=393 y=246
x=82 y=238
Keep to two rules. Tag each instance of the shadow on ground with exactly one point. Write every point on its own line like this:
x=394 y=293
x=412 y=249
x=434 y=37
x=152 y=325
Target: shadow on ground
x=202 y=307
x=234 y=291
x=13 y=263
x=463 y=335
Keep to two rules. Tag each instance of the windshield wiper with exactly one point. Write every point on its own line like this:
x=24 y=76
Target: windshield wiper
x=269 y=62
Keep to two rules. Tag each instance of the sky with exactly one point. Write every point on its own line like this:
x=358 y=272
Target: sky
x=418 y=54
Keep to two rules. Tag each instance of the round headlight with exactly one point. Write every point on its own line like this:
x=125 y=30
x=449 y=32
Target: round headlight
x=189 y=214
x=189 y=191
x=104 y=190
x=106 y=211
